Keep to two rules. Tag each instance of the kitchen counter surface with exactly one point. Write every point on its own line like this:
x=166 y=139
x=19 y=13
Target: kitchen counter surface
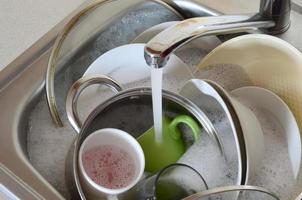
x=22 y=23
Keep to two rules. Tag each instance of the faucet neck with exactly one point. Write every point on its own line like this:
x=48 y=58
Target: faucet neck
x=273 y=18
x=158 y=49
x=279 y=12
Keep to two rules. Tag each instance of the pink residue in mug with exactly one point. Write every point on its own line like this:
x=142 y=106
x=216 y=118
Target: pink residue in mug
x=109 y=166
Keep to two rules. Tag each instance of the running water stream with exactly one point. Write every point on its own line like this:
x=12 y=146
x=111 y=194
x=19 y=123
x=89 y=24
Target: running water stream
x=156 y=84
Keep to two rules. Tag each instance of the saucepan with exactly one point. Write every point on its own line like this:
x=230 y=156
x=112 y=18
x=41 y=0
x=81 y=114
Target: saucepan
x=130 y=111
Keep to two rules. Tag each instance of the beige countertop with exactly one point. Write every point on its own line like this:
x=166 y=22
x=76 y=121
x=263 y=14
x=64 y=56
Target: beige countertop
x=23 y=22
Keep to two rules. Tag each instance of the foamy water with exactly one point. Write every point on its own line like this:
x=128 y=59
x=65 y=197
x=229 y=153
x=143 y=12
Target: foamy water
x=229 y=76
x=205 y=156
x=48 y=146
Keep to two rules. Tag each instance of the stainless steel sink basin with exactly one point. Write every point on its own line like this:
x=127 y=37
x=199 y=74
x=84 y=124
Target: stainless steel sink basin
x=31 y=146
x=35 y=149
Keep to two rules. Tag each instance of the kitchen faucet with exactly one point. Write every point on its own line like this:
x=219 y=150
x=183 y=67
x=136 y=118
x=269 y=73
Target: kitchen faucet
x=273 y=18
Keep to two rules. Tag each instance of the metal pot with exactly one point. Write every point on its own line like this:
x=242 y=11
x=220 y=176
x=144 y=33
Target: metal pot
x=129 y=110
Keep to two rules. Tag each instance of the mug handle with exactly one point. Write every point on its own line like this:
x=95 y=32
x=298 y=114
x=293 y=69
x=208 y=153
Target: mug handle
x=77 y=88
x=189 y=121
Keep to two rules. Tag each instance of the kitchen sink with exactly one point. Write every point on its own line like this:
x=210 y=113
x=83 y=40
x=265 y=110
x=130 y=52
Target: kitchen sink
x=32 y=148
x=37 y=148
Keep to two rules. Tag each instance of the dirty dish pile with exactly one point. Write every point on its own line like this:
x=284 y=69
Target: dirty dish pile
x=120 y=111
x=231 y=168
x=263 y=73
x=236 y=155
x=175 y=75
x=236 y=143
x=98 y=119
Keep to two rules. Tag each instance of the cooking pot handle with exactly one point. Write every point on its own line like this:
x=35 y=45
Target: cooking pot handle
x=77 y=88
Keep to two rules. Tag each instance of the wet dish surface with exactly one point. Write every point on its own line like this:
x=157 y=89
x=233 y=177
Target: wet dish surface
x=268 y=62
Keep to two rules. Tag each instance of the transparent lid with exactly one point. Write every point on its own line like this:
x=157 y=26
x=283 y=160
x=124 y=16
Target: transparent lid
x=101 y=26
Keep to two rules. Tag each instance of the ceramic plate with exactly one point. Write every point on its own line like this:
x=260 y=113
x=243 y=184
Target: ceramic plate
x=126 y=64
x=280 y=166
x=267 y=100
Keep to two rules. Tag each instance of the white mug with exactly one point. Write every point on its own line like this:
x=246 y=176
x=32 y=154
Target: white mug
x=120 y=139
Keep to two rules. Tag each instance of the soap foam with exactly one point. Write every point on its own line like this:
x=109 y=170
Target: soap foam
x=48 y=146
x=204 y=155
x=229 y=76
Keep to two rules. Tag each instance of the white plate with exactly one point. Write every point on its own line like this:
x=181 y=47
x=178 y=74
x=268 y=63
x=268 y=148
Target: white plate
x=267 y=100
x=126 y=64
x=280 y=166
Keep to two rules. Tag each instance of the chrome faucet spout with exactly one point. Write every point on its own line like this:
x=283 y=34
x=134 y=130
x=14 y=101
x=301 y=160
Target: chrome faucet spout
x=273 y=17
x=158 y=49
